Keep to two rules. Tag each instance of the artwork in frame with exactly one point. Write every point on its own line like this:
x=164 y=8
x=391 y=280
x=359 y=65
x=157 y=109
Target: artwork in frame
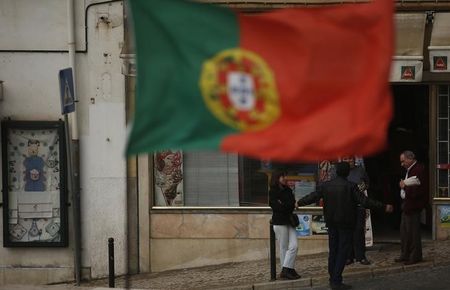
x=34 y=184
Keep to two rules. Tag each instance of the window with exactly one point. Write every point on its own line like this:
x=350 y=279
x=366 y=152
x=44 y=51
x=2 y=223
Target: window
x=211 y=179
x=208 y=179
x=443 y=132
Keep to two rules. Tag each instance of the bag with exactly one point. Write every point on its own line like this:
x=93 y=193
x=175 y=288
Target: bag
x=293 y=219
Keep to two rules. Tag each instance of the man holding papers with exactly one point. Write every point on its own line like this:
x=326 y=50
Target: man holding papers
x=413 y=191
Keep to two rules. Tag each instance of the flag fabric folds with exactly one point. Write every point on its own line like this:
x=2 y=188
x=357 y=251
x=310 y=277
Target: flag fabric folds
x=294 y=84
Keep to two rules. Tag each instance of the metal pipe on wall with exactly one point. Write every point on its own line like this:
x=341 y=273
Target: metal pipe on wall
x=75 y=152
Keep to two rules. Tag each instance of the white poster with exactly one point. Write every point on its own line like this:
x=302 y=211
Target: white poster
x=304 y=228
x=318 y=225
x=33 y=157
x=303 y=188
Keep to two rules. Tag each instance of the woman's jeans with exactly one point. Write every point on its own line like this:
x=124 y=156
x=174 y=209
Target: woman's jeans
x=287 y=237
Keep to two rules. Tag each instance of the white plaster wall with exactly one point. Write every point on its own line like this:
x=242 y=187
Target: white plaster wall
x=47 y=20
x=31 y=88
x=104 y=188
x=31 y=92
x=102 y=140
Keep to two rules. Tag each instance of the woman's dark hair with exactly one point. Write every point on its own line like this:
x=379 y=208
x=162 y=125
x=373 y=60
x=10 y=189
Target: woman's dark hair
x=275 y=179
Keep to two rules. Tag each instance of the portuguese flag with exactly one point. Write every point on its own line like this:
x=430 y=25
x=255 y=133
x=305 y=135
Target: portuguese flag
x=297 y=84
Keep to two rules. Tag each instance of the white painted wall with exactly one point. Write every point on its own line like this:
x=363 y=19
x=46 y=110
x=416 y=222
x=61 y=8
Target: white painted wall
x=31 y=92
x=38 y=25
x=102 y=140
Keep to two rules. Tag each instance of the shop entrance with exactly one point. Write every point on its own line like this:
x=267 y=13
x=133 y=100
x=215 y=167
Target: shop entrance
x=408 y=131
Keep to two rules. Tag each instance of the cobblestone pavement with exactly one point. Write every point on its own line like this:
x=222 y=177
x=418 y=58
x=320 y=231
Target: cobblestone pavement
x=256 y=274
x=44 y=287
x=436 y=278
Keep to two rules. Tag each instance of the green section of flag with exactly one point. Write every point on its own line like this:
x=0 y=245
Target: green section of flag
x=173 y=39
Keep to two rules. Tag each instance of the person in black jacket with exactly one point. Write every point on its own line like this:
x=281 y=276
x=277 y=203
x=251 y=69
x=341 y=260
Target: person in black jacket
x=282 y=202
x=357 y=251
x=340 y=200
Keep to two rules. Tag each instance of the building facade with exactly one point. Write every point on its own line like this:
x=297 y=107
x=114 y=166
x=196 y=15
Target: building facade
x=173 y=209
x=37 y=42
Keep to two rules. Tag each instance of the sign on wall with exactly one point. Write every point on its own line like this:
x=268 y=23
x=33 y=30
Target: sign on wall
x=301 y=184
x=304 y=228
x=407 y=69
x=444 y=215
x=67 y=92
x=34 y=184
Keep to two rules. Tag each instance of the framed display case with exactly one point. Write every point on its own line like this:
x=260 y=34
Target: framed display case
x=34 y=184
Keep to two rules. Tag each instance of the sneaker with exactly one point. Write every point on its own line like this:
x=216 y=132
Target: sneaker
x=349 y=261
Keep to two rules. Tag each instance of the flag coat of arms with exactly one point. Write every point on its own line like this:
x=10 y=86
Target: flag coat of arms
x=294 y=84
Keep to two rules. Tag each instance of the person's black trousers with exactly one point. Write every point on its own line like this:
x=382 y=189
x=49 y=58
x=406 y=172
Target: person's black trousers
x=411 y=239
x=358 y=248
x=339 y=242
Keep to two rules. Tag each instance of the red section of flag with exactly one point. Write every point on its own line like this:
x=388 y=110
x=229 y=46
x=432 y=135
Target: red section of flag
x=331 y=66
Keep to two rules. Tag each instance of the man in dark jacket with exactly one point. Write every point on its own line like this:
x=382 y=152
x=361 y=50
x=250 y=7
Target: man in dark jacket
x=359 y=176
x=414 y=193
x=340 y=198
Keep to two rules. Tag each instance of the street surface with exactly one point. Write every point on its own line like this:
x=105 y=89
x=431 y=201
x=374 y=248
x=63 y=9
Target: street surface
x=436 y=278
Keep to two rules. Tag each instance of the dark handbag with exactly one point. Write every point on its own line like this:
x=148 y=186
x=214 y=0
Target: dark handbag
x=293 y=219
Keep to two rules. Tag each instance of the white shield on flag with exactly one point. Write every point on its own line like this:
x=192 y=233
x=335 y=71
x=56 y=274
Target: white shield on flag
x=241 y=90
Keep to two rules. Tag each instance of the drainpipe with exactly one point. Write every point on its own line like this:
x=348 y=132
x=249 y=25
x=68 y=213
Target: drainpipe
x=75 y=152
x=128 y=69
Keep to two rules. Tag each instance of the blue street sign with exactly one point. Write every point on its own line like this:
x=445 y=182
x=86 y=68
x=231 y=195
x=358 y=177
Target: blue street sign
x=67 y=93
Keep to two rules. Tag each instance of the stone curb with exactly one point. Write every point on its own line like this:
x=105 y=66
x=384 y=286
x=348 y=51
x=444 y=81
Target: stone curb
x=321 y=281
x=55 y=287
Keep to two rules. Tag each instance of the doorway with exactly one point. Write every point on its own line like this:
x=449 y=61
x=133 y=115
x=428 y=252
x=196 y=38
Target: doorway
x=409 y=130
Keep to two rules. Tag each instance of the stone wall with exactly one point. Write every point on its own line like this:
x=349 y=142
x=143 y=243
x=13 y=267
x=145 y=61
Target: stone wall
x=183 y=240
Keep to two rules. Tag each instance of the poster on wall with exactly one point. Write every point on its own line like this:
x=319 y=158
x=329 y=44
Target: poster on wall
x=327 y=170
x=301 y=185
x=304 y=228
x=359 y=161
x=369 y=233
x=444 y=215
x=318 y=226
x=34 y=183
x=169 y=178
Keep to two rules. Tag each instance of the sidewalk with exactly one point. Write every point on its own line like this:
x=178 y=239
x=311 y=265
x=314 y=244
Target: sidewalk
x=256 y=274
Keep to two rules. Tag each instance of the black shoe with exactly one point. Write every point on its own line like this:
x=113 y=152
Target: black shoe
x=293 y=272
x=349 y=261
x=399 y=260
x=364 y=262
x=411 y=262
x=286 y=273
